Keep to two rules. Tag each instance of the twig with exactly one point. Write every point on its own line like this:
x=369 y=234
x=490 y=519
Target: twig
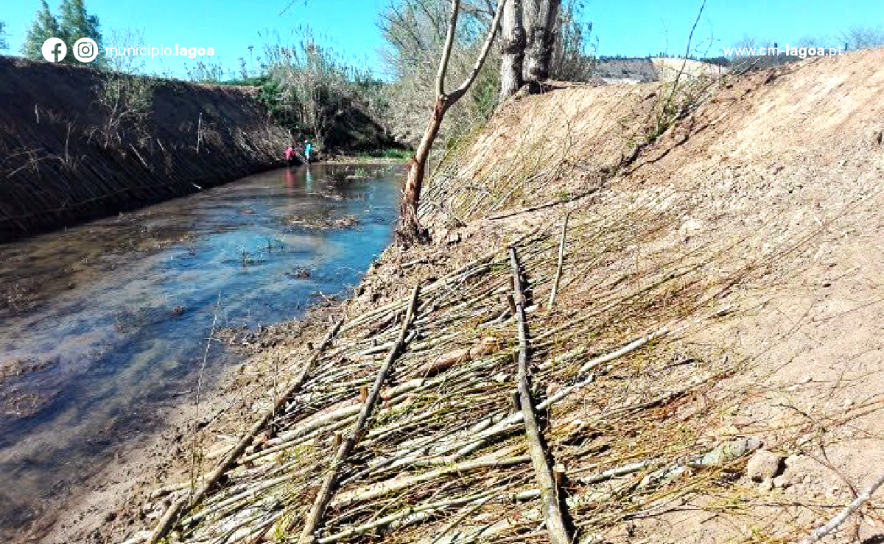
x=857 y=503
x=314 y=518
x=555 y=289
x=194 y=470
x=613 y=473
x=400 y=519
x=625 y=350
x=551 y=505
x=687 y=54
x=543 y=206
x=374 y=490
x=467 y=511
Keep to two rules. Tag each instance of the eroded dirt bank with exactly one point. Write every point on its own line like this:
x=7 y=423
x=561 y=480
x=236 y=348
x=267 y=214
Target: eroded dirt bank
x=76 y=143
x=737 y=257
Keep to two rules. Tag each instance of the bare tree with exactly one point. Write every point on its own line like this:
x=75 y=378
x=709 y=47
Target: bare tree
x=575 y=51
x=414 y=32
x=863 y=37
x=410 y=230
x=512 y=49
x=540 y=19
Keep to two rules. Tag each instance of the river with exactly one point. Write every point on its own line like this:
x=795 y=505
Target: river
x=103 y=324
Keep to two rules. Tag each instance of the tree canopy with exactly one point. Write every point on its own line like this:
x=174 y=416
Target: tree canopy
x=73 y=22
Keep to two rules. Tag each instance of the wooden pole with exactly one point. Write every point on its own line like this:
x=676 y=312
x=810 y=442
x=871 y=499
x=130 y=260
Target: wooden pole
x=314 y=518
x=555 y=288
x=549 y=495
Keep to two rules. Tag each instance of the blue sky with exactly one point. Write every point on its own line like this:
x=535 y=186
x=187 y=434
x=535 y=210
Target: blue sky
x=634 y=27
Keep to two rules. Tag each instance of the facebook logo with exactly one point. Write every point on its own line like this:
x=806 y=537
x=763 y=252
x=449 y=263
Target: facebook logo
x=54 y=49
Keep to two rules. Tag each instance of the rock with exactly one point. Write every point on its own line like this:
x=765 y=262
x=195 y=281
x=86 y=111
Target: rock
x=782 y=482
x=728 y=451
x=764 y=465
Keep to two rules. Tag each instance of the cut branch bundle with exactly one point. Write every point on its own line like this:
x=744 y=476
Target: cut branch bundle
x=314 y=518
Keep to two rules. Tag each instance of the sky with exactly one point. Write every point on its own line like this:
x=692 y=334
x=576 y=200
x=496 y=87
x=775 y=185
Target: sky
x=632 y=28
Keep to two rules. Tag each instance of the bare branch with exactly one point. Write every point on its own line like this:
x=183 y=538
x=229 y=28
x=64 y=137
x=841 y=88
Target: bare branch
x=835 y=522
x=489 y=39
x=446 y=52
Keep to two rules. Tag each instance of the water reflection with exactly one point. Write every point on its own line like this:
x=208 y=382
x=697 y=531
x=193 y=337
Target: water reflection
x=308 y=179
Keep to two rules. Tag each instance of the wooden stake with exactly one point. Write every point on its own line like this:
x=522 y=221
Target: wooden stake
x=184 y=504
x=549 y=494
x=314 y=518
x=555 y=289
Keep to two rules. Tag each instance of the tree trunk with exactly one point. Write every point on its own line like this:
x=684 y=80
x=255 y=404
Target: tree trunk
x=513 y=49
x=541 y=27
x=410 y=231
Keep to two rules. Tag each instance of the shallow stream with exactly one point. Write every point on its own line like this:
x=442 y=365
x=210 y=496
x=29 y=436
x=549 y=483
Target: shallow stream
x=104 y=323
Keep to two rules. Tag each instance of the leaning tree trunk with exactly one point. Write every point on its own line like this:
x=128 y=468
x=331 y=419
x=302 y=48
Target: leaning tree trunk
x=541 y=27
x=410 y=230
x=512 y=50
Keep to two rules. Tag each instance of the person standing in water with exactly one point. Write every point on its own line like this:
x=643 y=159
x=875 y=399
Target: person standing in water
x=290 y=155
x=308 y=151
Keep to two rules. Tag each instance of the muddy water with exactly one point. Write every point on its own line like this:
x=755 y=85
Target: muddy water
x=102 y=324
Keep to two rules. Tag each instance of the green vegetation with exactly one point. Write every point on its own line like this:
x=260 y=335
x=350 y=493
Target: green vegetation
x=4 y=45
x=390 y=153
x=309 y=88
x=73 y=23
x=125 y=96
x=44 y=26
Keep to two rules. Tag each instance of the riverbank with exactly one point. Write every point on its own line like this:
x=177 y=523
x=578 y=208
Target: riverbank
x=79 y=143
x=708 y=369
x=110 y=503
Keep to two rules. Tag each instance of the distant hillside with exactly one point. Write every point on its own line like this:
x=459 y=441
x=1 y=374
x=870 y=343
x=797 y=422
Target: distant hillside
x=648 y=69
x=631 y=70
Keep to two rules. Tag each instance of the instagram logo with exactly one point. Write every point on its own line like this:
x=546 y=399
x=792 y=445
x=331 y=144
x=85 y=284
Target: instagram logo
x=85 y=50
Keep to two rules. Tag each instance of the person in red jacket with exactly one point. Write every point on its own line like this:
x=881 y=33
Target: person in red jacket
x=290 y=155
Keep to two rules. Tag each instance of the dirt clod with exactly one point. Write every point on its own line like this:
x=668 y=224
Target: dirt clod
x=764 y=465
